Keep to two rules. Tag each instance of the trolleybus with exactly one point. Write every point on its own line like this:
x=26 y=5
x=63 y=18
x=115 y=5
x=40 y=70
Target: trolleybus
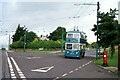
x=75 y=44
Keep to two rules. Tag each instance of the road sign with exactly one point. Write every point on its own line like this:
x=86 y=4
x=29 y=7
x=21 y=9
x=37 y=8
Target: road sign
x=43 y=69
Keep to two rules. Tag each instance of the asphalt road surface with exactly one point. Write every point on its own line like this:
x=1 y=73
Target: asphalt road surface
x=53 y=66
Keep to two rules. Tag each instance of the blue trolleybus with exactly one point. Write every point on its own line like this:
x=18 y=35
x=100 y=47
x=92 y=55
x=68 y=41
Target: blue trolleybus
x=75 y=44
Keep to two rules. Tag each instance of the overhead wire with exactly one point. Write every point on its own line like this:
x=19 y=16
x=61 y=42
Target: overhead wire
x=55 y=19
x=86 y=10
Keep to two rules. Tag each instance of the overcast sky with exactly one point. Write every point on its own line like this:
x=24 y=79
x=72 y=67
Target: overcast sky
x=43 y=17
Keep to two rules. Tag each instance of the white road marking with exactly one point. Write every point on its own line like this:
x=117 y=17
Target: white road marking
x=64 y=74
x=80 y=67
x=13 y=77
x=70 y=71
x=33 y=57
x=76 y=69
x=90 y=61
x=44 y=69
x=18 y=69
x=11 y=67
x=56 y=78
x=83 y=65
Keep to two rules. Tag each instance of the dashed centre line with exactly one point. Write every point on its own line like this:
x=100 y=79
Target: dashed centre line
x=71 y=72
x=74 y=70
x=64 y=74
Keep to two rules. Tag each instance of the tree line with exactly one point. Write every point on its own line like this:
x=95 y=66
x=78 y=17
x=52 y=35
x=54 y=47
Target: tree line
x=30 y=39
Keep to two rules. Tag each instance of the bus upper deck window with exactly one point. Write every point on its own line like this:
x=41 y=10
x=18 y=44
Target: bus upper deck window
x=76 y=35
x=70 y=35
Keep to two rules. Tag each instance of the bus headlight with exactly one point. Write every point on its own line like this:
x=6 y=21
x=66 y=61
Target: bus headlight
x=67 y=51
x=76 y=52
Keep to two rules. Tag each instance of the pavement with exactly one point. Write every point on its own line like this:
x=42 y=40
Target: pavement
x=110 y=69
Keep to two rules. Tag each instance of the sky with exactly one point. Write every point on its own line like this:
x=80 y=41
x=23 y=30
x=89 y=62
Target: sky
x=43 y=17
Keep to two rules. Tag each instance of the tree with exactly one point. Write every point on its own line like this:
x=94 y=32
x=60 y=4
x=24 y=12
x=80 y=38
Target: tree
x=30 y=36
x=19 y=33
x=107 y=31
x=57 y=34
x=34 y=44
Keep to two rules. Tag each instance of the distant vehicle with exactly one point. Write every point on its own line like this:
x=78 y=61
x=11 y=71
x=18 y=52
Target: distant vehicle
x=100 y=51
x=3 y=49
x=75 y=44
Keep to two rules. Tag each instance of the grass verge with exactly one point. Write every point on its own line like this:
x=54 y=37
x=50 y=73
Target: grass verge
x=111 y=62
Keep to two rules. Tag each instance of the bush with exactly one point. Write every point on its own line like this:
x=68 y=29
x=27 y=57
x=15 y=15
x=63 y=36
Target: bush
x=17 y=44
x=36 y=44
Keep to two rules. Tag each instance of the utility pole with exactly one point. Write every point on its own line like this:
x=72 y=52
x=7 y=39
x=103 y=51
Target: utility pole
x=62 y=40
x=25 y=40
x=119 y=57
x=97 y=46
x=9 y=43
x=119 y=43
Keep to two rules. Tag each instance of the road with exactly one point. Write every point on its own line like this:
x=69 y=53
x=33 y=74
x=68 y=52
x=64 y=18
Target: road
x=52 y=66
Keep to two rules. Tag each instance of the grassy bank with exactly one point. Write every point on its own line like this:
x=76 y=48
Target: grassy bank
x=111 y=62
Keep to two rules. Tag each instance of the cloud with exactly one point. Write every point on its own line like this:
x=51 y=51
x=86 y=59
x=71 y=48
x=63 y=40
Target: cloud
x=45 y=16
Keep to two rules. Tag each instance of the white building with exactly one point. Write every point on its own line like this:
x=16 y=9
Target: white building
x=43 y=37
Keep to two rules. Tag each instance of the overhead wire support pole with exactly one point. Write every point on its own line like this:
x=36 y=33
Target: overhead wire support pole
x=62 y=39
x=97 y=46
x=25 y=40
x=9 y=43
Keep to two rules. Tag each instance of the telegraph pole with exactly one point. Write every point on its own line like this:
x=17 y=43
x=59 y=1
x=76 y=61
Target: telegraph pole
x=97 y=46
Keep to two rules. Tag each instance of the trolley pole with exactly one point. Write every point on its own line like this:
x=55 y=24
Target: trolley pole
x=97 y=46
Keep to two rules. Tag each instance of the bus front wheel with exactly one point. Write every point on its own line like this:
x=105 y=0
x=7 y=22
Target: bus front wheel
x=80 y=56
x=83 y=54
